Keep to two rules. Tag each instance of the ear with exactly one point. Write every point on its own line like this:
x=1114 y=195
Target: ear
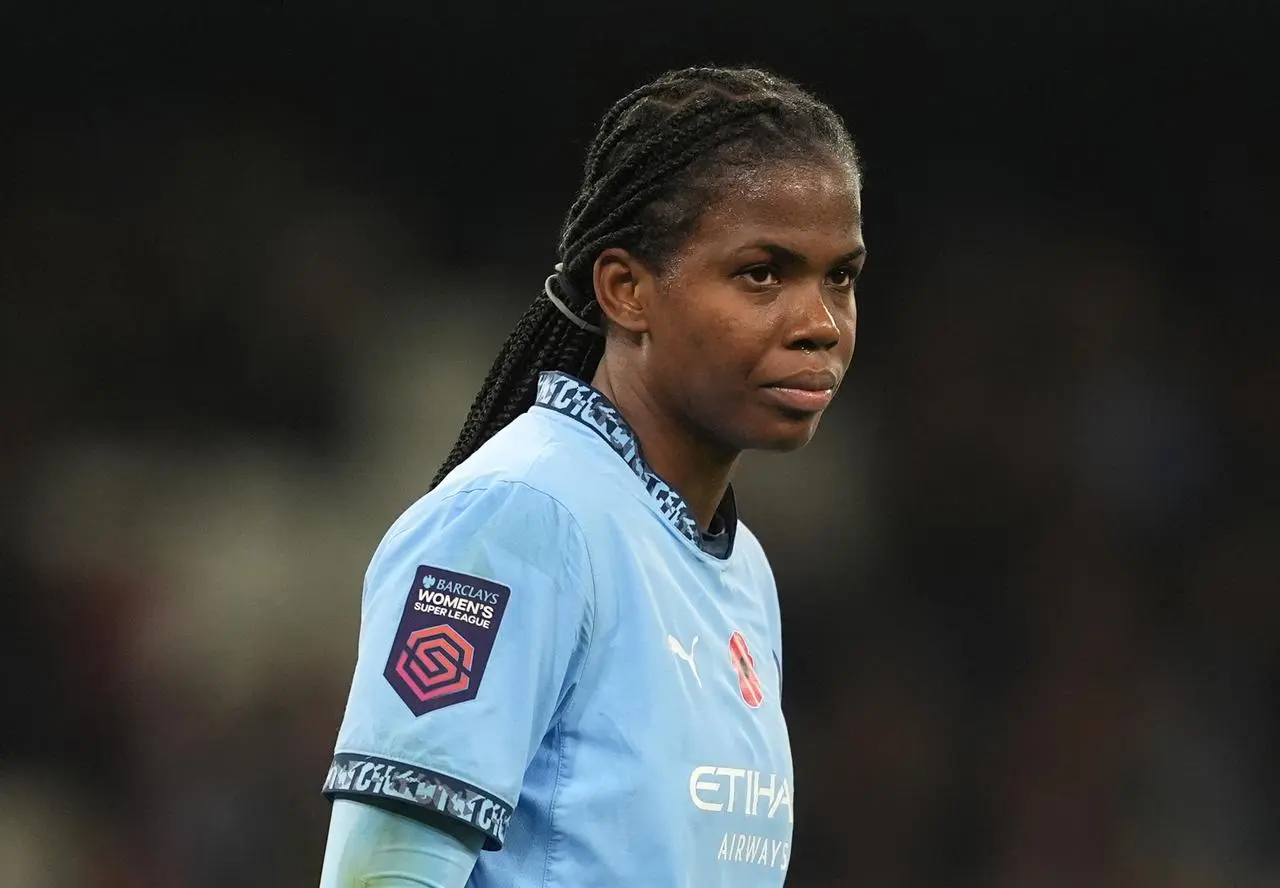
x=624 y=289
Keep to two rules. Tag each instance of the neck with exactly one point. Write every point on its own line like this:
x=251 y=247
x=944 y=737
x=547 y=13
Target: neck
x=697 y=470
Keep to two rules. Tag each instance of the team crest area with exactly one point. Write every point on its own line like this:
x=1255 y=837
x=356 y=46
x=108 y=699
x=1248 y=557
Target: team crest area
x=444 y=639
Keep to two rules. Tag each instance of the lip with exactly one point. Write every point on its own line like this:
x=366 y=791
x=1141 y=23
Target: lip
x=808 y=381
x=800 y=400
x=806 y=392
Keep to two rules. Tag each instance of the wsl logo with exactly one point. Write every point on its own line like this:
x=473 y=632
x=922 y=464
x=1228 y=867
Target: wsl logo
x=456 y=601
x=454 y=587
x=444 y=639
x=436 y=662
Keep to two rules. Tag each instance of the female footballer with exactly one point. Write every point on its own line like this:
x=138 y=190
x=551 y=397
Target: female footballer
x=569 y=664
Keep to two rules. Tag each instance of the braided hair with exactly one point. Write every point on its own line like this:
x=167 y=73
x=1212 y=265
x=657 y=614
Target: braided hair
x=661 y=155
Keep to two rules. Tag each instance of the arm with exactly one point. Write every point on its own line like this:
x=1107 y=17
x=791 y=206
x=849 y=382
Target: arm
x=475 y=621
x=372 y=848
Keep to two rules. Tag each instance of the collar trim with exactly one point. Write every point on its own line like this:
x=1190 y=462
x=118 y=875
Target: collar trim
x=577 y=400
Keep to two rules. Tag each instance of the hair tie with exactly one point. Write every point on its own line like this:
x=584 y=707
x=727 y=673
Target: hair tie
x=564 y=309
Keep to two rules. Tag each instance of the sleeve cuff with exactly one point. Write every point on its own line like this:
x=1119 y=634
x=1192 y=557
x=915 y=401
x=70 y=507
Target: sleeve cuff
x=415 y=789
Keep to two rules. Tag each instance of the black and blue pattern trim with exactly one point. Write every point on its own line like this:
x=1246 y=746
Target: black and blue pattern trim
x=413 y=789
x=574 y=398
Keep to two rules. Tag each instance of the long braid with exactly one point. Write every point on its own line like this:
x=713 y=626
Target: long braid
x=658 y=154
x=543 y=339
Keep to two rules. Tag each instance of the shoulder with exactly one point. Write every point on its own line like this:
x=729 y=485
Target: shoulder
x=516 y=494
x=551 y=458
x=495 y=507
x=500 y=532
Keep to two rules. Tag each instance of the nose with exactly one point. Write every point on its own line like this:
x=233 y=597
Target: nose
x=813 y=327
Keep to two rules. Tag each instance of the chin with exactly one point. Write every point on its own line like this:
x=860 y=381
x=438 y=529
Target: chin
x=786 y=438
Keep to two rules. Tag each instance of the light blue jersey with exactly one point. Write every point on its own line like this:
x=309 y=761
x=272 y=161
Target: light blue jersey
x=552 y=652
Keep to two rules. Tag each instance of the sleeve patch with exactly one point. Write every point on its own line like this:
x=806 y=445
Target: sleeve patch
x=444 y=639
x=353 y=775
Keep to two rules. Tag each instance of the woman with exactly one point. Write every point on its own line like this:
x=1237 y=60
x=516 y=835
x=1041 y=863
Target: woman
x=569 y=665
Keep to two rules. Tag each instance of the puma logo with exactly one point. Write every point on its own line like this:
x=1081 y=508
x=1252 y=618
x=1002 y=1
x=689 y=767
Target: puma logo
x=678 y=649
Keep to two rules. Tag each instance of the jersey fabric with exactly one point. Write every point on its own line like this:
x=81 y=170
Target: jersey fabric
x=554 y=653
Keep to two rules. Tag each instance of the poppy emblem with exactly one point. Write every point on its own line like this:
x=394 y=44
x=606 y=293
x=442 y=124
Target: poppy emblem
x=745 y=665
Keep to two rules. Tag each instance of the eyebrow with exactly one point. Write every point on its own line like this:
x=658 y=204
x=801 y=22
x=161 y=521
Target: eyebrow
x=782 y=254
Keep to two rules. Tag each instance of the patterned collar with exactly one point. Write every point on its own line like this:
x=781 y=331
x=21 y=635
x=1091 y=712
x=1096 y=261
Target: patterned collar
x=576 y=399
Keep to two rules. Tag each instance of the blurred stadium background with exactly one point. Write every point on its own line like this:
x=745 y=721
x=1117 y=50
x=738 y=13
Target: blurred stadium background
x=255 y=260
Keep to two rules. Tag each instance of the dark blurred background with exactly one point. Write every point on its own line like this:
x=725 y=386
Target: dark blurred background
x=255 y=260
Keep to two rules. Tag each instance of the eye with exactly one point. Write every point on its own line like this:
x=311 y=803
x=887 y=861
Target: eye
x=761 y=275
x=844 y=277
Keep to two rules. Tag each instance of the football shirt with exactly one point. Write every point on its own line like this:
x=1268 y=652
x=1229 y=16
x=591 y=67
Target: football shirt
x=553 y=652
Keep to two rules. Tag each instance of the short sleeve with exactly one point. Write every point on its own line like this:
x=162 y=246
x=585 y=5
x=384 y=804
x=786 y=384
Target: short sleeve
x=476 y=618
